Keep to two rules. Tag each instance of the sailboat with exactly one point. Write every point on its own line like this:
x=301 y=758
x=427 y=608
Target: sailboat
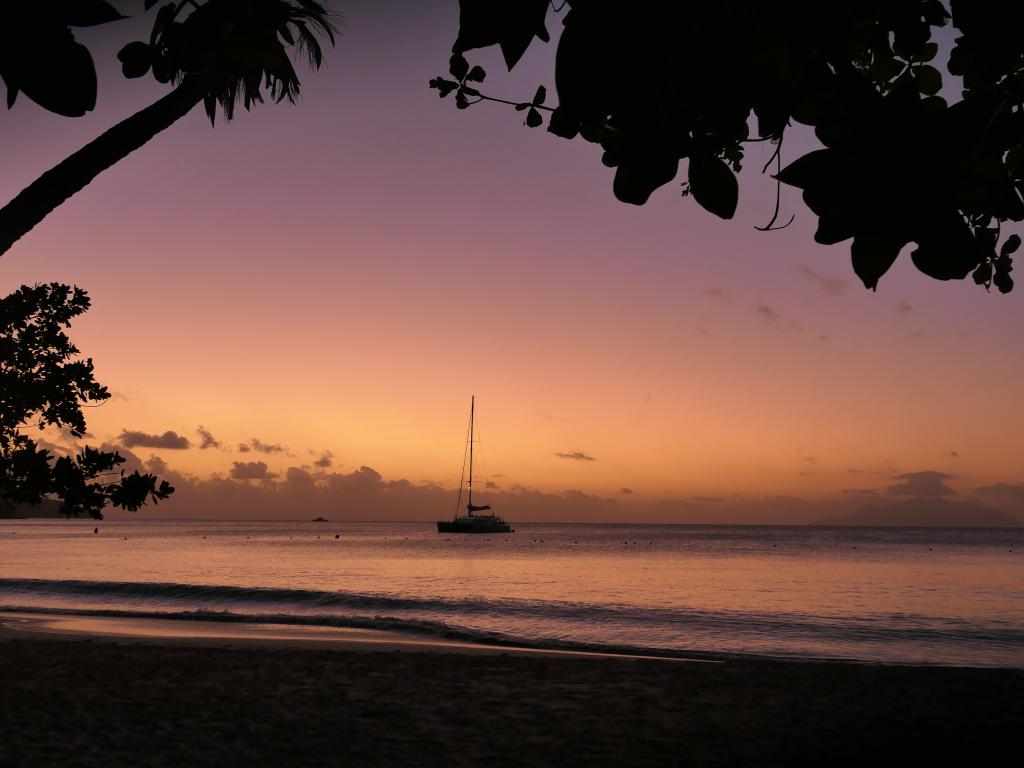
x=473 y=521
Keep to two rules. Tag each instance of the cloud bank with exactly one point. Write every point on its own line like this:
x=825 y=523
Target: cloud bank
x=255 y=491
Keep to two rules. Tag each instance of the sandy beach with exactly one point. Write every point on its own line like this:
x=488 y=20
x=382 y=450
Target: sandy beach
x=91 y=693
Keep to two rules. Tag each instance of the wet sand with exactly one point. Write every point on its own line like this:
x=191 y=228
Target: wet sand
x=198 y=697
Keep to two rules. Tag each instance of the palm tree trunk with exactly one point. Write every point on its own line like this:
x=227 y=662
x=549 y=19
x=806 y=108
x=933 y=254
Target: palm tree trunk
x=38 y=199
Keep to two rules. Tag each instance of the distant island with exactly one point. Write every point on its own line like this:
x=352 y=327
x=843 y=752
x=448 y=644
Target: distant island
x=930 y=512
x=320 y=520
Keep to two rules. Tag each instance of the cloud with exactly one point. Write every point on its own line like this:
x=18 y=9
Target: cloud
x=326 y=459
x=1006 y=496
x=862 y=492
x=926 y=483
x=719 y=293
x=260 y=447
x=490 y=484
x=363 y=477
x=809 y=460
x=156 y=465
x=169 y=440
x=768 y=314
x=887 y=467
x=626 y=491
x=550 y=417
x=1010 y=490
x=298 y=478
x=209 y=441
x=833 y=286
x=250 y=470
x=575 y=456
x=920 y=511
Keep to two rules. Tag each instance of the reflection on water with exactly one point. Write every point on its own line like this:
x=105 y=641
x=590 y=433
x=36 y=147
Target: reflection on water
x=907 y=595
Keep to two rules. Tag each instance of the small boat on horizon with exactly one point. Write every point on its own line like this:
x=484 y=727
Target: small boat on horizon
x=472 y=521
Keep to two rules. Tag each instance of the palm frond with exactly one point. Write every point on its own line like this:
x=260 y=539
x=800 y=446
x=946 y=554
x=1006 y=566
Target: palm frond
x=240 y=48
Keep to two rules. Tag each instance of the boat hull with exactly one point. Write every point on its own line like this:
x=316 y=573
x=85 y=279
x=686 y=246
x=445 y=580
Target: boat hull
x=473 y=526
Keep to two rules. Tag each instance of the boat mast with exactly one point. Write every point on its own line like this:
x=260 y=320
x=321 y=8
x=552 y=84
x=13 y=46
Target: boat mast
x=472 y=406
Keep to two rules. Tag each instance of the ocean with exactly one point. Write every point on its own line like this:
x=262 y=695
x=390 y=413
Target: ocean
x=891 y=595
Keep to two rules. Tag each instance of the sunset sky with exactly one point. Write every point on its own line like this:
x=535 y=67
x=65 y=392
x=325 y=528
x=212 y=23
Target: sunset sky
x=336 y=278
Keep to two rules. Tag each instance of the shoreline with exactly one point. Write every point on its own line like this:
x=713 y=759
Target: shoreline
x=32 y=625
x=113 y=626
x=70 y=696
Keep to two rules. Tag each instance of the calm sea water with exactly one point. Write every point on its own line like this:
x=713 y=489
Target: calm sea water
x=893 y=595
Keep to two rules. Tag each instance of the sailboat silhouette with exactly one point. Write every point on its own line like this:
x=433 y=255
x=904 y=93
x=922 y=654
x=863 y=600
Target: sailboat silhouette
x=472 y=522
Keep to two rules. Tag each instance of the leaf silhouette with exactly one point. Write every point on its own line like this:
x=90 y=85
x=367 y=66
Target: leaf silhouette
x=1010 y=246
x=136 y=59
x=872 y=257
x=713 y=185
x=637 y=179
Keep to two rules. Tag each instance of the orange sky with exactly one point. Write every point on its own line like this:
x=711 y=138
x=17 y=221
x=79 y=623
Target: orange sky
x=343 y=274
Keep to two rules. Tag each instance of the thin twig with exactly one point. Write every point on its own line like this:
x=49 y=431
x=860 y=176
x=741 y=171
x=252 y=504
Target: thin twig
x=775 y=154
x=484 y=97
x=777 y=157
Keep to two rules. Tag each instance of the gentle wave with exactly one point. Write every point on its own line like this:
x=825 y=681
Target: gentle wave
x=432 y=629
x=445 y=617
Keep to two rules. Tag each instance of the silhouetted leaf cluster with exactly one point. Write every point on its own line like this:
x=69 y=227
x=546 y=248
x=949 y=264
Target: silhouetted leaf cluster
x=654 y=83
x=44 y=384
x=236 y=47
x=466 y=95
x=40 y=57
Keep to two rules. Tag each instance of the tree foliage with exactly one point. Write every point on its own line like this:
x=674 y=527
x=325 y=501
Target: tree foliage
x=43 y=383
x=215 y=52
x=656 y=83
x=237 y=47
x=40 y=57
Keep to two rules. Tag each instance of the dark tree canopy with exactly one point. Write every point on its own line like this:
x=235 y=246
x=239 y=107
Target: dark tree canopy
x=654 y=83
x=43 y=383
